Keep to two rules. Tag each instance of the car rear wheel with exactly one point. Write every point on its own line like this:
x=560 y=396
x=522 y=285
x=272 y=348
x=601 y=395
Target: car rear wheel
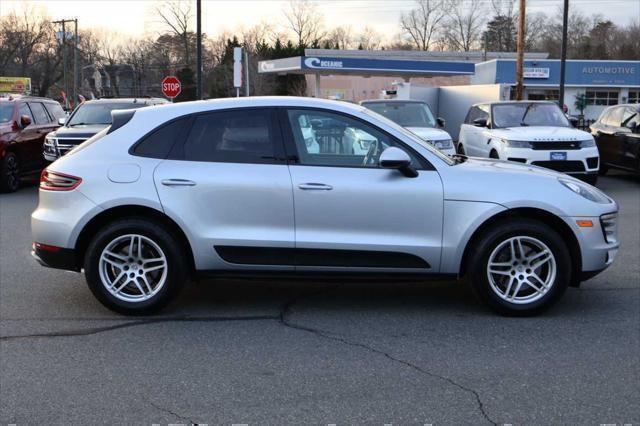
x=460 y=149
x=494 y=154
x=9 y=173
x=134 y=267
x=521 y=268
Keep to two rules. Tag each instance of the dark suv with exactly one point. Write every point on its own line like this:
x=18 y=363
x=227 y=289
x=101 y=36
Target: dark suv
x=617 y=133
x=24 y=122
x=88 y=119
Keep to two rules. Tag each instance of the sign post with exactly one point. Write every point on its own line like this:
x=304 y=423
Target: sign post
x=171 y=87
x=237 y=69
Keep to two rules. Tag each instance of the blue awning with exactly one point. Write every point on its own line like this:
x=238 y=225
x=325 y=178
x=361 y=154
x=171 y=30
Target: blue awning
x=364 y=66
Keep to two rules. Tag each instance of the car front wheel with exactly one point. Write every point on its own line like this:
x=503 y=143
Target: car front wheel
x=134 y=266
x=521 y=268
x=9 y=173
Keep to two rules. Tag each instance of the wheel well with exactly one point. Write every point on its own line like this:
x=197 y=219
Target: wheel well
x=124 y=212
x=532 y=213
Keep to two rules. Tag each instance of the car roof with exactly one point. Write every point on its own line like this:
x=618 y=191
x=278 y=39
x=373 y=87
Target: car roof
x=514 y=102
x=387 y=101
x=17 y=97
x=126 y=100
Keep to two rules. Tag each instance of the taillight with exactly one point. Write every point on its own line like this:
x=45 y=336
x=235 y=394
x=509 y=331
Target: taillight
x=54 y=181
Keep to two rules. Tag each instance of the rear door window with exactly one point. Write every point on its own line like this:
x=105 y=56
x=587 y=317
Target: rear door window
x=238 y=136
x=55 y=110
x=39 y=113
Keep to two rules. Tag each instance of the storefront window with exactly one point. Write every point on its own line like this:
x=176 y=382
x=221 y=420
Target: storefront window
x=602 y=97
x=634 y=96
x=544 y=95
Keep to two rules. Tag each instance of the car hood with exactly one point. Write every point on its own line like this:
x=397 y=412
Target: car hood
x=514 y=185
x=5 y=128
x=541 y=133
x=429 y=133
x=82 y=131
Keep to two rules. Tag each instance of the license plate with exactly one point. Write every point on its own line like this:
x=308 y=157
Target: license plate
x=558 y=156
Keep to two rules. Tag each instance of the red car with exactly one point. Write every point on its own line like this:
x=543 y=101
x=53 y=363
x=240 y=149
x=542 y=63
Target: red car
x=24 y=123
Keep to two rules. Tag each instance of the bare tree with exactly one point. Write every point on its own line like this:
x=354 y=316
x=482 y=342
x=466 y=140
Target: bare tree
x=304 y=20
x=369 y=39
x=341 y=37
x=177 y=16
x=423 y=23
x=464 y=25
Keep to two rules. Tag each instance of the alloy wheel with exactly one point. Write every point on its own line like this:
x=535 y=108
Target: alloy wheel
x=521 y=270
x=133 y=268
x=12 y=172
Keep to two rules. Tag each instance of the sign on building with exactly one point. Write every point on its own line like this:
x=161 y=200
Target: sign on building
x=535 y=72
x=19 y=85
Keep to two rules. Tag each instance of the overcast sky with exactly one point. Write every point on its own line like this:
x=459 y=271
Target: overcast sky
x=136 y=17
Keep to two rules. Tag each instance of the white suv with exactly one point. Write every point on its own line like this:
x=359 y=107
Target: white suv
x=536 y=133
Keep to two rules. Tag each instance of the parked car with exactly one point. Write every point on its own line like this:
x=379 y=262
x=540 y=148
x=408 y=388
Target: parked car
x=214 y=187
x=86 y=120
x=617 y=133
x=417 y=117
x=530 y=132
x=24 y=122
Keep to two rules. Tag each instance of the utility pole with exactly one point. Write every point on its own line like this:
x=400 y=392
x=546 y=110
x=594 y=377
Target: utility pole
x=563 y=52
x=246 y=72
x=520 y=49
x=74 y=94
x=75 y=60
x=199 y=49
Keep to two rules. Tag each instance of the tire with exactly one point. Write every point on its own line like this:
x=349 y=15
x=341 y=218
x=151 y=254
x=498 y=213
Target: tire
x=9 y=173
x=460 y=149
x=494 y=154
x=493 y=288
x=603 y=168
x=591 y=179
x=136 y=287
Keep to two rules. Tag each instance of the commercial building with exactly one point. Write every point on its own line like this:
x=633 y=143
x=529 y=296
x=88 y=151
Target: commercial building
x=604 y=83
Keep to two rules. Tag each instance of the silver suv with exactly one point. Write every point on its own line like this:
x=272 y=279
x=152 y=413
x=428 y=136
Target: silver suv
x=271 y=186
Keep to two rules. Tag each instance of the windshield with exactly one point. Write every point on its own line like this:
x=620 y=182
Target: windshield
x=528 y=114
x=406 y=114
x=6 y=112
x=410 y=135
x=98 y=113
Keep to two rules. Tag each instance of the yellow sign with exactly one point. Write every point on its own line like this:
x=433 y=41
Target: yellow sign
x=21 y=85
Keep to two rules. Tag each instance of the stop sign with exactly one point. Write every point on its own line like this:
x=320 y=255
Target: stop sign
x=171 y=86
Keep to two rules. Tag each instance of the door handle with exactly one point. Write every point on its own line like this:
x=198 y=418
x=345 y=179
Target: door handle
x=177 y=182
x=315 y=186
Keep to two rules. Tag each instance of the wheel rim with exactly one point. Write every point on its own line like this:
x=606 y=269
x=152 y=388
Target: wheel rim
x=133 y=268
x=11 y=168
x=521 y=270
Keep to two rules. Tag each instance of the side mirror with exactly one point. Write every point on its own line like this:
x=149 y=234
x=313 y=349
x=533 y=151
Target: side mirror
x=62 y=120
x=395 y=158
x=440 y=121
x=24 y=121
x=574 y=121
x=480 y=122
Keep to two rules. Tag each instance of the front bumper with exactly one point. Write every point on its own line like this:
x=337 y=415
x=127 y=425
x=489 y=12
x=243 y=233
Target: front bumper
x=597 y=254
x=583 y=161
x=60 y=258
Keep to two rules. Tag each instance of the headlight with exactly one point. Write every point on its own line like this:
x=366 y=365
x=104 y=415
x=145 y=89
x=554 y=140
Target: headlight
x=443 y=144
x=49 y=138
x=586 y=191
x=516 y=144
x=590 y=143
x=609 y=224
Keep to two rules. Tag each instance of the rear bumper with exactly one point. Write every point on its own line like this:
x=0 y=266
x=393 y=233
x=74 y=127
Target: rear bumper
x=60 y=259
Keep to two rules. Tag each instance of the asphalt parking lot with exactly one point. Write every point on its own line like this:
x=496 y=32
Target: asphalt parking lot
x=311 y=352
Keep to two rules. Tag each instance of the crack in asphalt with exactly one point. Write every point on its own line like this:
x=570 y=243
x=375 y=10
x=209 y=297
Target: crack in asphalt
x=284 y=320
x=173 y=413
x=127 y=324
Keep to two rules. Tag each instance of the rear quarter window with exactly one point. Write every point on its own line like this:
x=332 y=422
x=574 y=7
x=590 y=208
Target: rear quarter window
x=55 y=110
x=159 y=142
